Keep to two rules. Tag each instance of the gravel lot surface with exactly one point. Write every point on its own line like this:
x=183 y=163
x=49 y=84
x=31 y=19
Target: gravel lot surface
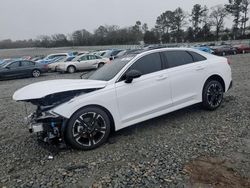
x=167 y=151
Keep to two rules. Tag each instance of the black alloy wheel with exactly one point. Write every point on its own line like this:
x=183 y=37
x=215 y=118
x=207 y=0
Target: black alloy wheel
x=212 y=95
x=88 y=128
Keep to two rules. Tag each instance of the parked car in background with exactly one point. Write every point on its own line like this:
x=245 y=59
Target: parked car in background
x=82 y=52
x=242 y=48
x=37 y=58
x=111 y=53
x=26 y=58
x=50 y=58
x=205 y=49
x=85 y=62
x=224 y=50
x=52 y=66
x=21 y=68
x=127 y=91
x=5 y=61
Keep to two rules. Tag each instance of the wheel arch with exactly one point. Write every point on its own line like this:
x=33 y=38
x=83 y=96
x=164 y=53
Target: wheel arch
x=217 y=78
x=112 y=122
x=70 y=66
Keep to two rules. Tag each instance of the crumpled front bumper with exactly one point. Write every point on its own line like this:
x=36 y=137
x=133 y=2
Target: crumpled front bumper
x=48 y=126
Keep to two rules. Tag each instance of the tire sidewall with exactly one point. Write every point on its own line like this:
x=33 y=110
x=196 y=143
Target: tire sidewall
x=100 y=65
x=68 y=131
x=205 y=103
x=36 y=70
x=72 y=68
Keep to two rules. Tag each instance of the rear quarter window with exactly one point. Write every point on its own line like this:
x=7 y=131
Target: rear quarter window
x=197 y=57
x=178 y=58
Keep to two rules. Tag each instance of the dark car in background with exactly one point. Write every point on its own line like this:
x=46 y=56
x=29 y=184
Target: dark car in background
x=21 y=68
x=242 y=48
x=224 y=50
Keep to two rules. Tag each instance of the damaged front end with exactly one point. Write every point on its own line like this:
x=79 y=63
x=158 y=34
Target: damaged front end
x=48 y=125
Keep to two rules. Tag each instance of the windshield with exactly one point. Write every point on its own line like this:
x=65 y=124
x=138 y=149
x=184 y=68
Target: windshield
x=110 y=70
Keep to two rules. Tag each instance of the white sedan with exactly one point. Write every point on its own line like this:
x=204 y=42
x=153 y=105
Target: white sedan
x=83 y=62
x=131 y=89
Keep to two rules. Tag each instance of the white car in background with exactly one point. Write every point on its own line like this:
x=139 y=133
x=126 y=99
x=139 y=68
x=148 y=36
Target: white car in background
x=83 y=62
x=131 y=89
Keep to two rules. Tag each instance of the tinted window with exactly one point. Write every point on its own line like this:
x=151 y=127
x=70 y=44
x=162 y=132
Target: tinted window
x=197 y=57
x=178 y=58
x=15 y=64
x=148 y=64
x=27 y=63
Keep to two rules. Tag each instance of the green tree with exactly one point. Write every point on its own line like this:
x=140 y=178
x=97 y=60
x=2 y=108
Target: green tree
x=150 y=37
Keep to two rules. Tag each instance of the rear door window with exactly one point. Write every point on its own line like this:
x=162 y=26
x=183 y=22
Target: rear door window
x=177 y=58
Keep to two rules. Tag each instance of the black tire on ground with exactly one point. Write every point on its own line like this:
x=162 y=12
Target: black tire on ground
x=36 y=73
x=212 y=95
x=71 y=69
x=88 y=128
x=100 y=65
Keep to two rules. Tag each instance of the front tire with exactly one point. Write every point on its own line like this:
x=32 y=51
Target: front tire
x=71 y=69
x=100 y=65
x=212 y=95
x=88 y=128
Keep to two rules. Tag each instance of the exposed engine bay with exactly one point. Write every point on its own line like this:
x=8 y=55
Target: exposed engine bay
x=48 y=125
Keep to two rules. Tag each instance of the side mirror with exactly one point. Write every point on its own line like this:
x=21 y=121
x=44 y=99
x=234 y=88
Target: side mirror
x=131 y=75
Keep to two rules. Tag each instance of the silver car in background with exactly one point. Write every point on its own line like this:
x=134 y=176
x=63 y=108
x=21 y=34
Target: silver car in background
x=84 y=62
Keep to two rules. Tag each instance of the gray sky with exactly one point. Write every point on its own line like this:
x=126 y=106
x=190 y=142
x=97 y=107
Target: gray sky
x=24 y=19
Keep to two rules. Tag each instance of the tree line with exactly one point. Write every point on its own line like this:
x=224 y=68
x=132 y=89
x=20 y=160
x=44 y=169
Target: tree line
x=201 y=24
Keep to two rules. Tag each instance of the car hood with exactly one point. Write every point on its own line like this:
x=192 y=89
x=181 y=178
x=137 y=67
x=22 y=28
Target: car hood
x=45 y=88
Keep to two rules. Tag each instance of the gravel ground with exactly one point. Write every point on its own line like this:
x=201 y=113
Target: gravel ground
x=162 y=152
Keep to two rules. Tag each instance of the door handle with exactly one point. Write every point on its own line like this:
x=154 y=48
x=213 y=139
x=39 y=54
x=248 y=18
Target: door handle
x=200 y=68
x=162 y=77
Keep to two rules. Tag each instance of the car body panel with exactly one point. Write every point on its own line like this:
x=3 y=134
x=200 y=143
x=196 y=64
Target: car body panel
x=42 y=89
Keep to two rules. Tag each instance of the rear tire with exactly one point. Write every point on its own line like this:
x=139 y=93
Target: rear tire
x=71 y=69
x=88 y=128
x=212 y=95
x=36 y=73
